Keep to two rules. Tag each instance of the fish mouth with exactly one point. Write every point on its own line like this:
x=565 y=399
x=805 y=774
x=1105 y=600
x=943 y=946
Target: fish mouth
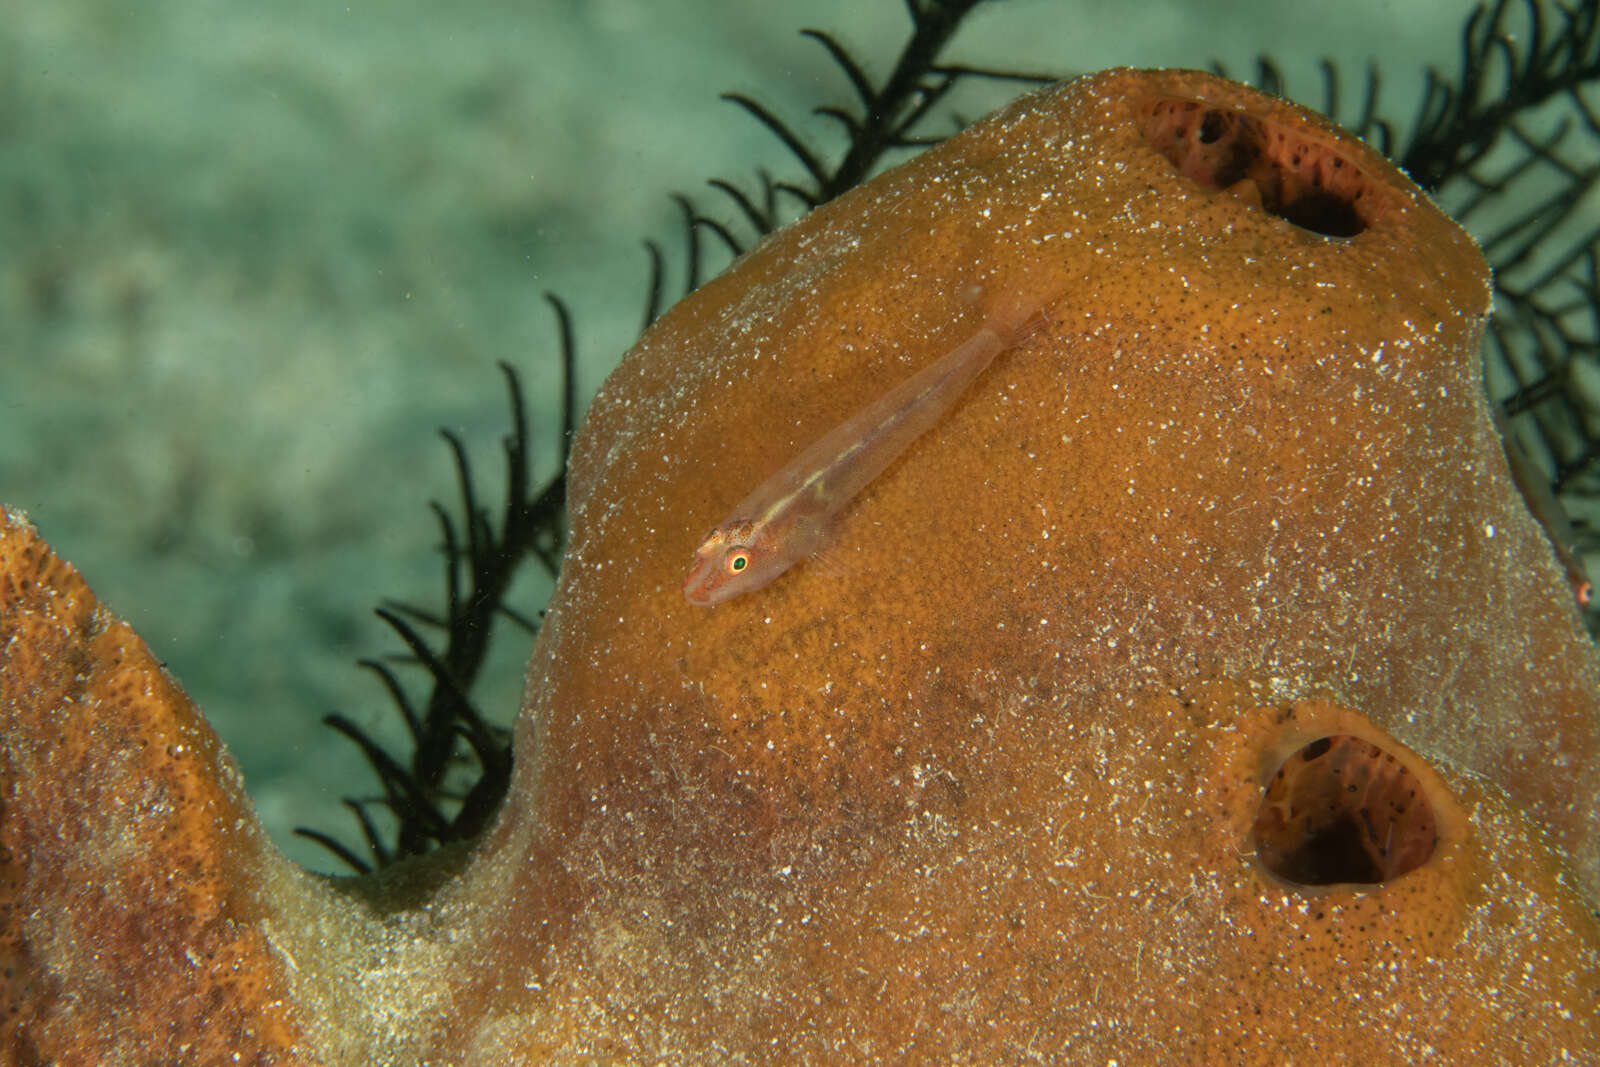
x=696 y=587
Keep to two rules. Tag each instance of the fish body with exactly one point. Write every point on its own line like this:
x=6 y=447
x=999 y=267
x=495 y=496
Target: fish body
x=791 y=515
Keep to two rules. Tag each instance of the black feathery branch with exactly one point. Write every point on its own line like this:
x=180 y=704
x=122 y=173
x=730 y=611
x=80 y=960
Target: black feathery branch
x=882 y=118
x=480 y=563
x=1503 y=75
x=1512 y=149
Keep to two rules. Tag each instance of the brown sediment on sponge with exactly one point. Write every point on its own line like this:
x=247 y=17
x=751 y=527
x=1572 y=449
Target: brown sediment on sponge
x=988 y=785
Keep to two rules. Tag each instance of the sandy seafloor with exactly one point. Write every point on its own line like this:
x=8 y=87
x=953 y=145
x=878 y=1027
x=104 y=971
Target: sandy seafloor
x=252 y=256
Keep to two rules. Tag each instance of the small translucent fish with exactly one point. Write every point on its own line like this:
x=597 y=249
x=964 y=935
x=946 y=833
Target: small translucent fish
x=791 y=515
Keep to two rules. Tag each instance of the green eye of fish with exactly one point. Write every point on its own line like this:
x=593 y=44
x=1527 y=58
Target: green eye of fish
x=738 y=561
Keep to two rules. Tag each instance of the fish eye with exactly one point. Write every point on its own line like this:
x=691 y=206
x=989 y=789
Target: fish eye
x=738 y=561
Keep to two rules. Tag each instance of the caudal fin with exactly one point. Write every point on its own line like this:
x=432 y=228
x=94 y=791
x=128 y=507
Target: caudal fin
x=1015 y=314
